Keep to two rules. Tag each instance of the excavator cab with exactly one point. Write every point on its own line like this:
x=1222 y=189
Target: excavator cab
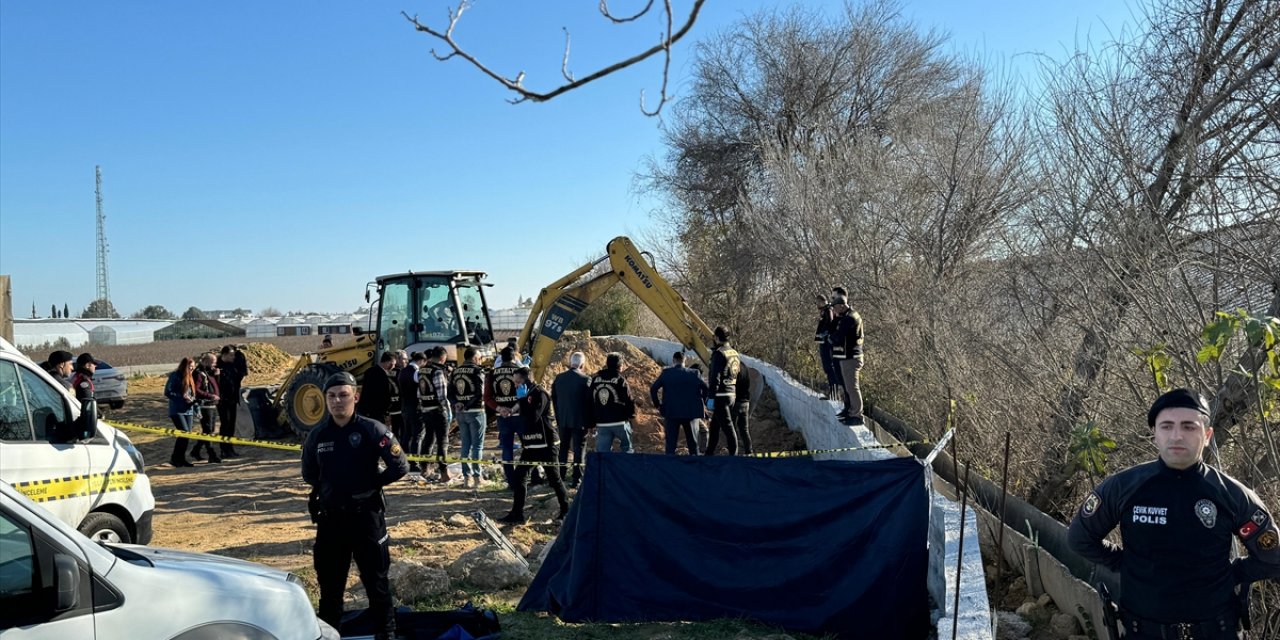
x=414 y=312
x=417 y=311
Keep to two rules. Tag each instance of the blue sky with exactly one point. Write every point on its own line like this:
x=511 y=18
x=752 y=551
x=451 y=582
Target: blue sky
x=285 y=153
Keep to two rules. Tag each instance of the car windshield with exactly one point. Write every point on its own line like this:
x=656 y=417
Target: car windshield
x=103 y=365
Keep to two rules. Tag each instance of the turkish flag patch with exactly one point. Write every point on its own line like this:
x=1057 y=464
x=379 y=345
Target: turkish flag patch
x=1248 y=529
x=384 y=442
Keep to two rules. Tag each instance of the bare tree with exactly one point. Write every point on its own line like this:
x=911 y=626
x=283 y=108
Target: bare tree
x=1144 y=146
x=670 y=35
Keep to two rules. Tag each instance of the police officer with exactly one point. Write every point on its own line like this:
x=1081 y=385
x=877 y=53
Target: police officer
x=433 y=401
x=501 y=397
x=723 y=381
x=59 y=365
x=1177 y=516
x=846 y=353
x=466 y=391
x=537 y=445
x=340 y=462
x=82 y=381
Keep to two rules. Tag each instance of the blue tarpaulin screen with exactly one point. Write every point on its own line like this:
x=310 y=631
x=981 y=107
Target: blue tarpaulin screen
x=816 y=547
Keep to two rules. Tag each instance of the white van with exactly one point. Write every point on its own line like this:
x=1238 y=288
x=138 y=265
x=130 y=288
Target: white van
x=57 y=452
x=57 y=584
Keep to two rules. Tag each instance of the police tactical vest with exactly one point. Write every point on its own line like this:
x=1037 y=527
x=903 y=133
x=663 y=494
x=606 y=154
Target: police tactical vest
x=429 y=397
x=606 y=391
x=468 y=385
x=394 y=408
x=729 y=375
x=504 y=385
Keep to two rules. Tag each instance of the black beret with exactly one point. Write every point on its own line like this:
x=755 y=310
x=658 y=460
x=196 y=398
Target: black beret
x=339 y=379
x=58 y=357
x=1177 y=399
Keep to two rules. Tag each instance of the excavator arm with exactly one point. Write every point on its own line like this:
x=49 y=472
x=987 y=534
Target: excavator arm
x=561 y=301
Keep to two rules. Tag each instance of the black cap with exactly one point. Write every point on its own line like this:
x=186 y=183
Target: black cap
x=339 y=379
x=58 y=357
x=524 y=371
x=85 y=358
x=1177 y=399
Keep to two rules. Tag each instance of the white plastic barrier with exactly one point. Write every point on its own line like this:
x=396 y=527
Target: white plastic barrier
x=808 y=412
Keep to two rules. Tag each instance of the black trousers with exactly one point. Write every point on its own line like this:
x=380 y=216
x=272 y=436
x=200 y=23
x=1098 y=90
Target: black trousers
x=722 y=420
x=742 y=426
x=572 y=438
x=412 y=434
x=671 y=431
x=436 y=431
x=208 y=417
x=227 y=425
x=359 y=534
x=520 y=486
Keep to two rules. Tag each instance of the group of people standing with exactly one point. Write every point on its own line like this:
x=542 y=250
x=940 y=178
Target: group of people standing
x=75 y=373
x=206 y=390
x=685 y=401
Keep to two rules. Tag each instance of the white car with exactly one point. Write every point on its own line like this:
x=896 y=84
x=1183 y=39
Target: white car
x=57 y=584
x=56 y=451
x=110 y=385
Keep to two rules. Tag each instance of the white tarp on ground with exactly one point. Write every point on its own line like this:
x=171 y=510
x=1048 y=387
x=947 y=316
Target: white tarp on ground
x=813 y=416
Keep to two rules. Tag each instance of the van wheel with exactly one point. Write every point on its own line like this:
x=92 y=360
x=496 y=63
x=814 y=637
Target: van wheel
x=104 y=527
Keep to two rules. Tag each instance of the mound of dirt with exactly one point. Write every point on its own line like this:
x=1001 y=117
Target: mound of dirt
x=641 y=370
x=267 y=365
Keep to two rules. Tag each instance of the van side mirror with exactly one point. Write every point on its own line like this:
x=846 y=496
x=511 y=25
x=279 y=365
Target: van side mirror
x=86 y=426
x=66 y=580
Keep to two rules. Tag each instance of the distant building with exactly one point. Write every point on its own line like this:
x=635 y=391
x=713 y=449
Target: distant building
x=188 y=329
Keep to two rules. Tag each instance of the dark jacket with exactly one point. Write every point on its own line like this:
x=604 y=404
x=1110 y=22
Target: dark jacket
x=723 y=377
x=433 y=388
x=408 y=387
x=611 y=402
x=502 y=386
x=571 y=396
x=1177 y=528
x=342 y=462
x=206 y=386
x=178 y=402
x=683 y=393
x=466 y=386
x=826 y=324
x=230 y=376
x=537 y=431
x=82 y=384
x=846 y=340
x=376 y=393
x=743 y=388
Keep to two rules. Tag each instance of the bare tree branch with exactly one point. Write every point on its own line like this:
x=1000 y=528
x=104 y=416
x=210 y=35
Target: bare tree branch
x=516 y=84
x=604 y=11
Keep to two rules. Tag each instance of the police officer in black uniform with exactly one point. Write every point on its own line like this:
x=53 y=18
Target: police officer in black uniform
x=340 y=461
x=537 y=445
x=1177 y=517
x=433 y=402
x=723 y=380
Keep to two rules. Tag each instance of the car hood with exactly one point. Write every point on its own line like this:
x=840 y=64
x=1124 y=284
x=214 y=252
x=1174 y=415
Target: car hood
x=194 y=561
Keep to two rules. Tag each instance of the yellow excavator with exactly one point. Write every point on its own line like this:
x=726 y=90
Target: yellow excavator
x=561 y=301
x=414 y=311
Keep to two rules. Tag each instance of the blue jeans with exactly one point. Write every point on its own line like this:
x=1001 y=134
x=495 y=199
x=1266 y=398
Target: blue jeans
x=606 y=435
x=471 y=426
x=507 y=430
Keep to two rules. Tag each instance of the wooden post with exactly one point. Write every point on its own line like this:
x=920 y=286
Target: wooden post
x=6 y=309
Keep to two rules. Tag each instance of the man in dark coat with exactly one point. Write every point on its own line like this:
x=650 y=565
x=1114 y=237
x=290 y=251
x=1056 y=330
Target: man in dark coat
x=233 y=367
x=684 y=394
x=377 y=390
x=571 y=397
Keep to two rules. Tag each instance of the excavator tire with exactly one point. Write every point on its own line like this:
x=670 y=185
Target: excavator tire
x=304 y=401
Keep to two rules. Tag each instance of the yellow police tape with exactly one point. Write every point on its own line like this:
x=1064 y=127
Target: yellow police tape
x=76 y=486
x=287 y=446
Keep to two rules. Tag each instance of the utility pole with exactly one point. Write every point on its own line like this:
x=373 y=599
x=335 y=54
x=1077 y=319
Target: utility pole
x=104 y=288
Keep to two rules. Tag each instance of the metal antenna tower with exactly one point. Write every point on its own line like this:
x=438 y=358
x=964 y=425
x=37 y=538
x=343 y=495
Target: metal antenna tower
x=104 y=288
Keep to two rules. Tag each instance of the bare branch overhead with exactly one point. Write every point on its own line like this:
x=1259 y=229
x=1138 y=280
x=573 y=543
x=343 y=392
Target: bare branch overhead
x=515 y=84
